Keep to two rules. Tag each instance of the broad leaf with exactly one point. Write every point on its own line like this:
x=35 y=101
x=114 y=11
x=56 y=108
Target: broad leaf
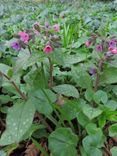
x=109 y=76
x=67 y=90
x=22 y=60
x=71 y=109
x=92 y=143
x=91 y=112
x=82 y=119
x=19 y=120
x=113 y=130
x=43 y=100
x=4 y=68
x=81 y=78
x=63 y=142
x=100 y=96
x=2 y=153
x=114 y=151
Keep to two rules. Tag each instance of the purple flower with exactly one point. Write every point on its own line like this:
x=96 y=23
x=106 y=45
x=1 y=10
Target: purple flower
x=92 y=71
x=112 y=44
x=15 y=45
x=99 y=48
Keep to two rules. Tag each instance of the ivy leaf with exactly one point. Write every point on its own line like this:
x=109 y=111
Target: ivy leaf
x=91 y=112
x=67 y=90
x=19 y=120
x=63 y=142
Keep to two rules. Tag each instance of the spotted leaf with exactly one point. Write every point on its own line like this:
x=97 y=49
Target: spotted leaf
x=19 y=120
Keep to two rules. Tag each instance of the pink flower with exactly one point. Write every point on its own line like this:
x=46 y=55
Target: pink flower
x=114 y=51
x=24 y=36
x=88 y=43
x=110 y=48
x=48 y=49
x=99 y=48
x=56 y=27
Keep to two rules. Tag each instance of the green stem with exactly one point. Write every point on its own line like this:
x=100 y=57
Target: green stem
x=72 y=127
x=39 y=146
x=57 y=114
x=29 y=49
x=50 y=117
x=23 y=96
x=51 y=73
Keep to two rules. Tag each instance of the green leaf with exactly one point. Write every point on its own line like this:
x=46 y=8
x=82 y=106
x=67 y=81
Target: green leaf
x=111 y=104
x=22 y=60
x=91 y=128
x=102 y=120
x=115 y=90
x=92 y=143
x=32 y=129
x=34 y=58
x=113 y=130
x=71 y=109
x=100 y=96
x=80 y=42
x=19 y=120
x=2 y=153
x=73 y=59
x=40 y=147
x=63 y=142
x=43 y=100
x=89 y=94
x=91 y=112
x=114 y=151
x=109 y=76
x=82 y=119
x=67 y=90
x=5 y=99
x=4 y=68
x=81 y=78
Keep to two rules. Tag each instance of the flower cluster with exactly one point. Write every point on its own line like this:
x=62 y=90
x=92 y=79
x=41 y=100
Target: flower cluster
x=46 y=33
x=112 y=46
x=109 y=45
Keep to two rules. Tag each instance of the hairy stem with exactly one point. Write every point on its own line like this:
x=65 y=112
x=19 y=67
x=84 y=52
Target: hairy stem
x=29 y=49
x=100 y=68
x=23 y=96
x=51 y=73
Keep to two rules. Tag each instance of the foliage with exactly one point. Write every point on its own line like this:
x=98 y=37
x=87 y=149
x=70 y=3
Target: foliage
x=58 y=78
